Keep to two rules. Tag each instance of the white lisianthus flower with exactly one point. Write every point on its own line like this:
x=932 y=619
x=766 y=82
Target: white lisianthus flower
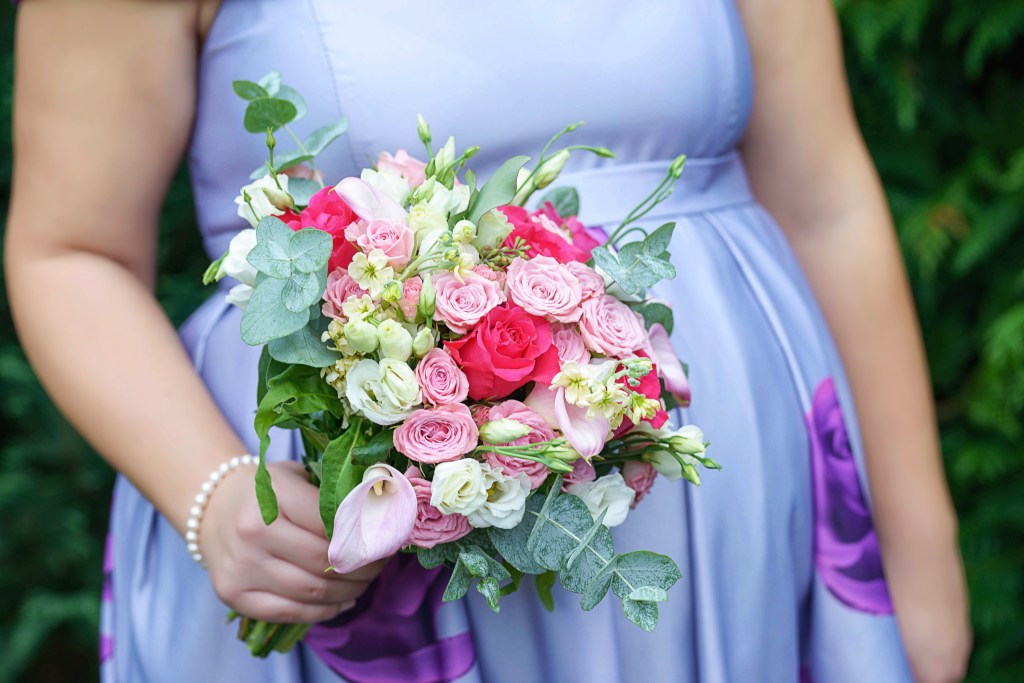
x=506 y=500
x=491 y=230
x=666 y=464
x=458 y=487
x=395 y=340
x=385 y=393
x=427 y=225
x=423 y=342
x=464 y=232
x=688 y=440
x=503 y=430
x=265 y=199
x=361 y=335
x=239 y=295
x=371 y=272
x=236 y=263
x=610 y=493
x=388 y=183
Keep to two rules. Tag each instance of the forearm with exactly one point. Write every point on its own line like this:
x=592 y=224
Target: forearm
x=112 y=362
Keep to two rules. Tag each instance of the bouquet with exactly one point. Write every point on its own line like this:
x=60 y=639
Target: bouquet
x=480 y=384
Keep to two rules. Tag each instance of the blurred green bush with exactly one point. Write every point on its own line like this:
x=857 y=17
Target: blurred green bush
x=939 y=90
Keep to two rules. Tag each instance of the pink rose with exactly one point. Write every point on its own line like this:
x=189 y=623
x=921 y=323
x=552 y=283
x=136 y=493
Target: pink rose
x=410 y=300
x=542 y=286
x=582 y=471
x=491 y=274
x=394 y=238
x=410 y=168
x=481 y=413
x=441 y=380
x=437 y=434
x=612 y=328
x=461 y=305
x=570 y=344
x=340 y=288
x=592 y=283
x=539 y=431
x=432 y=526
x=640 y=477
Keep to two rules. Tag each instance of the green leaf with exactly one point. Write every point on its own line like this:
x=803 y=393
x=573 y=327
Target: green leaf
x=268 y=112
x=210 y=274
x=265 y=318
x=377 y=449
x=566 y=201
x=302 y=290
x=607 y=261
x=304 y=346
x=661 y=267
x=643 y=614
x=595 y=591
x=458 y=584
x=302 y=190
x=265 y=496
x=309 y=250
x=271 y=82
x=658 y=241
x=511 y=543
x=643 y=568
x=271 y=253
x=436 y=556
x=649 y=594
x=544 y=582
x=655 y=313
x=317 y=141
x=589 y=558
x=248 y=90
x=291 y=95
x=498 y=190
x=340 y=474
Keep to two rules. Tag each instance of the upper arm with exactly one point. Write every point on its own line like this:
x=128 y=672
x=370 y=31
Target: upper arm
x=103 y=105
x=803 y=149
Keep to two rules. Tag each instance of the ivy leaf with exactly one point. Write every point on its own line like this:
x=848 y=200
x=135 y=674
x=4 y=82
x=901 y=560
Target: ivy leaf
x=658 y=241
x=376 y=449
x=304 y=346
x=265 y=318
x=655 y=313
x=271 y=82
x=566 y=201
x=340 y=473
x=248 y=90
x=498 y=190
x=268 y=112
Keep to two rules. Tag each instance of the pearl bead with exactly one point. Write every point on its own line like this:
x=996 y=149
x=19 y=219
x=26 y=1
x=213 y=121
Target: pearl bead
x=223 y=469
x=196 y=511
x=207 y=487
x=198 y=558
x=234 y=462
x=248 y=460
x=193 y=548
x=201 y=499
x=215 y=477
x=193 y=523
x=191 y=536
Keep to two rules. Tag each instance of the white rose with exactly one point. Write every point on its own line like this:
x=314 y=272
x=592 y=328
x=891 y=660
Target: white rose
x=235 y=263
x=458 y=487
x=607 y=493
x=265 y=198
x=506 y=500
x=389 y=183
x=239 y=295
x=384 y=392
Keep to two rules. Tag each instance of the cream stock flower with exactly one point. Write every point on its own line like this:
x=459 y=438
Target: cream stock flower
x=371 y=272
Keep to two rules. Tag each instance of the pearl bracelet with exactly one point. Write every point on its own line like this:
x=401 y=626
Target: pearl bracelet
x=195 y=513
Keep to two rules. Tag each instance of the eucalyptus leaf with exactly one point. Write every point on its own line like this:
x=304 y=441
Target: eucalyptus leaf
x=302 y=190
x=268 y=113
x=643 y=568
x=458 y=584
x=265 y=318
x=436 y=556
x=271 y=82
x=301 y=291
x=511 y=543
x=248 y=90
x=595 y=591
x=643 y=614
x=498 y=190
x=589 y=558
x=566 y=201
x=658 y=241
x=317 y=141
x=291 y=95
x=649 y=594
x=309 y=250
x=661 y=267
x=270 y=255
x=282 y=161
x=304 y=346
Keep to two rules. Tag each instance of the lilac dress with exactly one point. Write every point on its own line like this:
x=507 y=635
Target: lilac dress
x=781 y=574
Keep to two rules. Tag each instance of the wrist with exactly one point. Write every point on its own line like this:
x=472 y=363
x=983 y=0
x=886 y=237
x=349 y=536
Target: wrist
x=201 y=501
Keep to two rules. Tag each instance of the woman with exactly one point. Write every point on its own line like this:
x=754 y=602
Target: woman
x=782 y=576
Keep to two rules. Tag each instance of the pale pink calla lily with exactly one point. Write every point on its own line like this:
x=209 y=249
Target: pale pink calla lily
x=368 y=202
x=586 y=434
x=373 y=521
x=669 y=367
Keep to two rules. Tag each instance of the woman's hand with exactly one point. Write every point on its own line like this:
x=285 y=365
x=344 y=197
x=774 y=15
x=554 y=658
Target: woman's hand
x=275 y=573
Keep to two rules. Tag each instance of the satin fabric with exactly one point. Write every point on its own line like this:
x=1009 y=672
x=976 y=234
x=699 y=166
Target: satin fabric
x=781 y=577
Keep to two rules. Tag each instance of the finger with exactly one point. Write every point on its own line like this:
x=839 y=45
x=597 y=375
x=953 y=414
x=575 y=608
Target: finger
x=274 y=608
x=298 y=585
x=299 y=500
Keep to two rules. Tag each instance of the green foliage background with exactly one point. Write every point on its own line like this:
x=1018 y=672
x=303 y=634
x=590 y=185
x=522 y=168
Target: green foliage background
x=939 y=90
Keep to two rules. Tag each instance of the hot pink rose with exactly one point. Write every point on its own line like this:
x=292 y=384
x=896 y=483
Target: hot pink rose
x=582 y=471
x=437 y=434
x=611 y=327
x=394 y=238
x=460 y=305
x=582 y=237
x=640 y=477
x=507 y=349
x=432 y=526
x=327 y=211
x=340 y=288
x=539 y=431
x=410 y=300
x=570 y=344
x=404 y=165
x=542 y=240
x=441 y=380
x=592 y=283
x=544 y=287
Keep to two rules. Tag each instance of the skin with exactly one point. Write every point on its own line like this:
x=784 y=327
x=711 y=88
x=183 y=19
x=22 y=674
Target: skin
x=100 y=239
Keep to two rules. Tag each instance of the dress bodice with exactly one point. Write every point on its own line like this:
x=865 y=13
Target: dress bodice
x=652 y=80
